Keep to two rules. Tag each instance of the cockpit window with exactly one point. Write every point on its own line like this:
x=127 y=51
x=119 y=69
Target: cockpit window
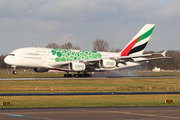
x=11 y=55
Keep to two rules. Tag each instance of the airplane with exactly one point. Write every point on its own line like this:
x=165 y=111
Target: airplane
x=83 y=61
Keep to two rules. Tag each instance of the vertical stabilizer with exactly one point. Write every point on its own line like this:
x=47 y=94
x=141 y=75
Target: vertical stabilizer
x=137 y=45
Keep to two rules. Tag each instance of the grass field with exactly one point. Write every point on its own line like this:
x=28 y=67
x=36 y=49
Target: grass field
x=88 y=85
x=90 y=101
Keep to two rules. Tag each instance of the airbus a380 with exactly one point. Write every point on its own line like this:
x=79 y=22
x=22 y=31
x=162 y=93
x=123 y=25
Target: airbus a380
x=80 y=61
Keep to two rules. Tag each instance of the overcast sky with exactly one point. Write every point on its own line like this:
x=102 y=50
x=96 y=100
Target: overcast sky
x=26 y=23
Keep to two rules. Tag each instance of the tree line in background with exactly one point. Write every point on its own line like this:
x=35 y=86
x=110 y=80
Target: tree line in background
x=167 y=64
x=98 y=45
x=102 y=45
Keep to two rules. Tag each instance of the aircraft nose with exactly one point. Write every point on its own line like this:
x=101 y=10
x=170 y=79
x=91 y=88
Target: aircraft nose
x=6 y=60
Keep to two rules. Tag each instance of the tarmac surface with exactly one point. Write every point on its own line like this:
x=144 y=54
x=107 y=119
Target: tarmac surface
x=75 y=78
x=122 y=113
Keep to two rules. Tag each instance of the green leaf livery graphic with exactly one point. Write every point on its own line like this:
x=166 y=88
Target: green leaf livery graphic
x=63 y=55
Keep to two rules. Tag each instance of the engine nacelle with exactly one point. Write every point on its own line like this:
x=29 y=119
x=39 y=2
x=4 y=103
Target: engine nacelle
x=40 y=70
x=77 y=66
x=107 y=63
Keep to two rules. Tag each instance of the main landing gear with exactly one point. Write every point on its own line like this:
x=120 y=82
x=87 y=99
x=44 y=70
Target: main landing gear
x=82 y=75
x=67 y=75
x=78 y=75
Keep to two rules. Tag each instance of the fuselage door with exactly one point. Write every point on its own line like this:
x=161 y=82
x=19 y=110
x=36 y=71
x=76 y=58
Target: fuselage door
x=22 y=56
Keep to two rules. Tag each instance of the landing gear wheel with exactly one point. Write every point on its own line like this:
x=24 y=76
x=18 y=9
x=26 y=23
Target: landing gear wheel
x=87 y=75
x=70 y=75
x=76 y=75
x=67 y=75
x=14 y=69
x=82 y=75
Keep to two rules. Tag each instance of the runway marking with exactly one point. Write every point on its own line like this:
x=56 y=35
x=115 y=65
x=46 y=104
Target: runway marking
x=148 y=115
x=89 y=111
x=28 y=116
x=40 y=113
x=43 y=118
x=15 y=115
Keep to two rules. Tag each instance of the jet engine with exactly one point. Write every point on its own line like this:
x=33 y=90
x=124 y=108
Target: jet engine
x=77 y=66
x=107 y=63
x=40 y=70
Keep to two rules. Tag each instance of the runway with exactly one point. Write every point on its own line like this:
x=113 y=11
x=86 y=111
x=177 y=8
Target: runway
x=121 y=113
x=74 y=78
x=85 y=93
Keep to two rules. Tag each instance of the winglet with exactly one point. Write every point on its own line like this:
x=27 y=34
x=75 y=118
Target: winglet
x=164 y=53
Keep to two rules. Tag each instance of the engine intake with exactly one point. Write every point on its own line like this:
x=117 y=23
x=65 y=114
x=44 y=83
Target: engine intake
x=77 y=66
x=107 y=63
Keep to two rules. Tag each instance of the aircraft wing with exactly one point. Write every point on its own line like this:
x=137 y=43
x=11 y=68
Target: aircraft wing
x=94 y=63
x=124 y=59
x=128 y=58
x=149 y=59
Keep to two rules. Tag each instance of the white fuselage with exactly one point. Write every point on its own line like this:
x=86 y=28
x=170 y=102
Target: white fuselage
x=43 y=58
x=29 y=57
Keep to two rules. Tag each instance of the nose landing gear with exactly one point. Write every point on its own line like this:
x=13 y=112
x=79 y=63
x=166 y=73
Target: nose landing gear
x=14 y=70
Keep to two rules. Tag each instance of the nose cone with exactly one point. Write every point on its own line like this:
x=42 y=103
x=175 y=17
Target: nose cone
x=6 y=60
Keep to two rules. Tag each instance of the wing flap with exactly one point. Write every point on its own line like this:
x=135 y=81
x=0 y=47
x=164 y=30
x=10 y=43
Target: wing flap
x=131 y=58
x=149 y=59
